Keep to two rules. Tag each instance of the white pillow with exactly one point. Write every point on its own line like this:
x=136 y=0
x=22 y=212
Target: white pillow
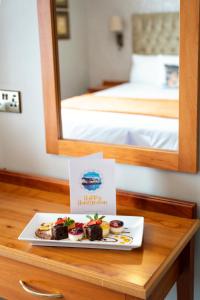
x=172 y=60
x=150 y=69
x=147 y=69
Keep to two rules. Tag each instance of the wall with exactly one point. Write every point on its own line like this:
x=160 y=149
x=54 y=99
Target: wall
x=1 y=155
x=1 y=145
x=23 y=137
x=73 y=53
x=91 y=54
x=106 y=61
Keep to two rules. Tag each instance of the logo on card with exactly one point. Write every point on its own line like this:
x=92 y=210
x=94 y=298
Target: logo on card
x=91 y=181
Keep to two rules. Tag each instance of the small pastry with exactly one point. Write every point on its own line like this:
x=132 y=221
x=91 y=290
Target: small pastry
x=45 y=231
x=59 y=232
x=105 y=228
x=116 y=226
x=94 y=232
x=76 y=234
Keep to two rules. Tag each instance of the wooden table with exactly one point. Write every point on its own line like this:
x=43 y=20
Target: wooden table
x=147 y=273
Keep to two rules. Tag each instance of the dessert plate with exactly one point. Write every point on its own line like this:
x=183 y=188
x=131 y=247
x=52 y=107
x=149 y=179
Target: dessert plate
x=129 y=239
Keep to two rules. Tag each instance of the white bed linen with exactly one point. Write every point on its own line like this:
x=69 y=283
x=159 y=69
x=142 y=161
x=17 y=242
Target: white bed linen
x=124 y=129
x=120 y=128
x=142 y=91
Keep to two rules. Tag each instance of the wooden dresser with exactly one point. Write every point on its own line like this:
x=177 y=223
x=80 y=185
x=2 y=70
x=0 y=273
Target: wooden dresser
x=166 y=256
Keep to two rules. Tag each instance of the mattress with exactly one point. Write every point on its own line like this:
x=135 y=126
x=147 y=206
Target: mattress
x=124 y=129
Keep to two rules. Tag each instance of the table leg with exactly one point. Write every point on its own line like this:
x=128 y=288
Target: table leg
x=185 y=283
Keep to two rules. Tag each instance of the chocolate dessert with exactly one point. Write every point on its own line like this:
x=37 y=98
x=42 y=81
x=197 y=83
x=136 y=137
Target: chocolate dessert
x=59 y=232
x=94 y=233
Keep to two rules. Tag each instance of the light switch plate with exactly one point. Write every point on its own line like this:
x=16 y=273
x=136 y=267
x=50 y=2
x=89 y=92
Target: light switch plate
x=10 y=101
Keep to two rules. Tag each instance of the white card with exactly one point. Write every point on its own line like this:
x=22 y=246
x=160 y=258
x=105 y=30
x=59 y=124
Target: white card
x=92 y=186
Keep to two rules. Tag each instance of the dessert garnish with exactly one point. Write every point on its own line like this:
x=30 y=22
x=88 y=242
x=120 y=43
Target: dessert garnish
x=116 y=226
x=79 y=225
x=45 y=226
x=96 y=220
x=70 y=223
x=59 y=221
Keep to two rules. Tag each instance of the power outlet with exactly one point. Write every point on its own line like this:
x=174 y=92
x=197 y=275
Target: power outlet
x=10 y=101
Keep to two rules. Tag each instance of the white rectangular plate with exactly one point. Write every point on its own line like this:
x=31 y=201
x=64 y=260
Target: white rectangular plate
x=131 y=237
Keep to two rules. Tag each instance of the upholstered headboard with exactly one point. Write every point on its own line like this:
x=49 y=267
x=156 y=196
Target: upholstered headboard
x=156 y=33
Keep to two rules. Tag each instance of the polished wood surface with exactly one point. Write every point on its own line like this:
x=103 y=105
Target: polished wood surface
x=189 y=85
x=136 y=273
x=185 y=290
x=186 y=160
x=50 y=74
x=35 y=181
x=41 y=280
x=123 y=154
x=125 y=200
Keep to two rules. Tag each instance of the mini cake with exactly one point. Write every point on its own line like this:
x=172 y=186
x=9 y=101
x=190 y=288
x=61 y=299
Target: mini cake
x=116 y=226
x=45 y=231
x=105 y=228
x=94 y=232
x=76 y=234
x=59 y=232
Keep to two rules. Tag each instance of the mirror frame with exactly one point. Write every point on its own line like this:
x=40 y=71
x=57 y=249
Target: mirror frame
x=186 y=159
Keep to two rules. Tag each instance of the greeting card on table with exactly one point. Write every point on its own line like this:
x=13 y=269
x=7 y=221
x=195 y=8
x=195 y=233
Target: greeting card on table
x=92 y=185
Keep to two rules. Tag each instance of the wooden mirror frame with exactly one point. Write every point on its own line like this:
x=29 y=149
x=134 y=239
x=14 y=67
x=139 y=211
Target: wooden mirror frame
x=186 y=159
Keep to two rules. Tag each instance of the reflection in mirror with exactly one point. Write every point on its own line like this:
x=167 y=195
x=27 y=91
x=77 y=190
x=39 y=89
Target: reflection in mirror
x=119 y=72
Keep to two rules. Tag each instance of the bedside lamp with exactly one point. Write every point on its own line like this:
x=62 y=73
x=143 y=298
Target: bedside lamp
x=116 y=26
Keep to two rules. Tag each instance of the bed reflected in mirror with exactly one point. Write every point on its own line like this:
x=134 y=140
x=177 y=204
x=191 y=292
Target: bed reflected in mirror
x=119 y=72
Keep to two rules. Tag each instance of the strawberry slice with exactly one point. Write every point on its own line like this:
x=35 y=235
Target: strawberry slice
x=92 y=222
x=98 y=222
x=79 y=225
x=59 y=221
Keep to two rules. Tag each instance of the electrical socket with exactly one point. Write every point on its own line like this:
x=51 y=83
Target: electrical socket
x=10 y=101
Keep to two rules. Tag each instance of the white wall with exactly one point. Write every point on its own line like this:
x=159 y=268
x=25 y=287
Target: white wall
x=106 y=61
x=73 y=53
x=22 y=135
x=1 y=143
x=1 y=156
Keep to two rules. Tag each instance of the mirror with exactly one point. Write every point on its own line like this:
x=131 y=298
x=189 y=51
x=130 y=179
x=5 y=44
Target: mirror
x=117 y=43
x=119 y=71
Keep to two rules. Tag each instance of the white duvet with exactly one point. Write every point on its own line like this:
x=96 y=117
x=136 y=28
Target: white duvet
x=118 y=128
x=141 y=91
